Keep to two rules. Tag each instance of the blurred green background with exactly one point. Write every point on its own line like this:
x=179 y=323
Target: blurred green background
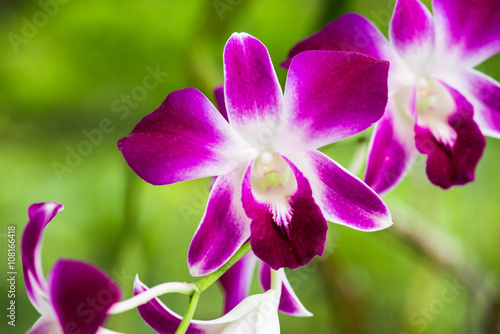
x=70 y=74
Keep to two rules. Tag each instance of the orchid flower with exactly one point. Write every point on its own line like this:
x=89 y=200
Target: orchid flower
x=255 y=314
x=273 y=187
x=236 y=285
x=76 y=296
x=439 y=105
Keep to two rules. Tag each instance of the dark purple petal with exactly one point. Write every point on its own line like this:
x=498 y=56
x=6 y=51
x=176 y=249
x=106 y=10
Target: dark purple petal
x=483 y=93
x=330 y=96
x=40 y=214
x=392 y=150
x=221 y=103
x=253 y=93
x=412 y=33
x=289 y=302
x=305 y=234
x=452 y=165
x=343 y=198
x=350 y=32
x=185 y=138
x=159 y=317
x=81 y=296
x=223 y=229
x=469 y=27
x=236 y=281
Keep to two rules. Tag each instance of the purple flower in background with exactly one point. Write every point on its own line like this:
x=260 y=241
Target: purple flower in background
x=273 y=187
x=76 y=296
x=255 y=314
x=439 y=105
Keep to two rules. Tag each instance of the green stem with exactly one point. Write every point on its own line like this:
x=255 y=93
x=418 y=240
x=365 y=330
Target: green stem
x=193 y=302
x=208 y=280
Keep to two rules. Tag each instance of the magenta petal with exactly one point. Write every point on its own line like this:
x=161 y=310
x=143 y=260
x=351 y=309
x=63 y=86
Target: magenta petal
x=253 y=93
x=343 y=198
x=223 y=229
x=469 y=27
x=45 y=325
x=159 y=317
x=392 y=151
x=332 y=95
x=306 y=231
x=236 y=281
x=81 y=296
x=40 y=214
x=289 y=302
x=484 y=94
x=350 y=32
x=412 y=33
x=185 y=138
x=448 y=166
x=221 y=103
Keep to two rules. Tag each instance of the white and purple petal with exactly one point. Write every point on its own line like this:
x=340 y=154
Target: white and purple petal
x=81 y=295
x=45 y=325
x=291 y=243
x=343 y=198
x=330 y=96
x=185 y=138
x=40 y=214
x=412 y=33
x=253 y=95
x=223 y=229
x=467 y=30
x=391 y=151
x=236 y=281
x=255 y=314
x=483 y=92
x=453 y=148
x=289 y=302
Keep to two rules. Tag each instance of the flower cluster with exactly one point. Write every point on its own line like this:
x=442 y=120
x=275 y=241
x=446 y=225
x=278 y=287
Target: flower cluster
x=273 y=191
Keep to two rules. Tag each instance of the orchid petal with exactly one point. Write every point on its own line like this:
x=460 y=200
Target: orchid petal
x=289 y=302
x=350 y=32
x=160 y=317
x=236 y=281
x=223 y=229
x=483 y=93
x=81 y=295
x=451 y=161
x=185 y=138
x=412 y=33
x=45 y=325
x=253 y=94
x=343 y=198
x=303 y=235
x=467 y=30
x=40 y=214
x=220 y=101
x=256 y=313
x=391 y=150
x=330 y=96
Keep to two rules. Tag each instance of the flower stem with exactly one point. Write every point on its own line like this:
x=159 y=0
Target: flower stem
x=208 y=280
x=193 y=302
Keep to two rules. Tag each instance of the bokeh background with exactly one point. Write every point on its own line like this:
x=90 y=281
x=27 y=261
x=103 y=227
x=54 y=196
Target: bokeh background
x=65 y=75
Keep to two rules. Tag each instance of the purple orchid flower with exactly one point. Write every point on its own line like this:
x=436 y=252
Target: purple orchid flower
x=255 y=314
x=439 y=105
x=273 y=187
x=236 y=285
x=76 y=296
